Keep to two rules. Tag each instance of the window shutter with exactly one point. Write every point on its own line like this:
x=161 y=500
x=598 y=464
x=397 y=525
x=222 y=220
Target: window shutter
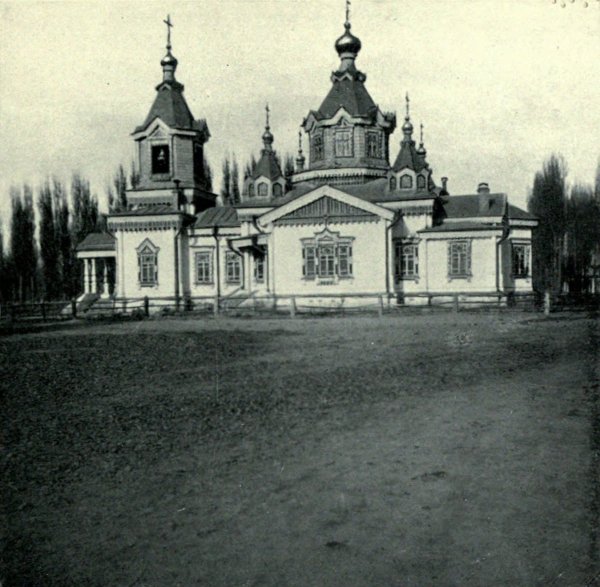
x=449 y=258
x=155 y=269
x=468 y=247
x=139 y=259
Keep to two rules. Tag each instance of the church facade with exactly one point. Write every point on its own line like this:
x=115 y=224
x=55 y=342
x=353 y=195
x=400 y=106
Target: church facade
x=362 y=217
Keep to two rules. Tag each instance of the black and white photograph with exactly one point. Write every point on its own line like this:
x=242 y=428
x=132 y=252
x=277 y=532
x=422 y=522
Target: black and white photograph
x=300 y=293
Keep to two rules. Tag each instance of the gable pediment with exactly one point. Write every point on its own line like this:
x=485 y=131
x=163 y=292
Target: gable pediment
x=326 y=204
x=326 y=208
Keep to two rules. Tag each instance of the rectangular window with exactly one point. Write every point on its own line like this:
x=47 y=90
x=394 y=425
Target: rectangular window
x=233 y=267
x=520 y=260
x=344 y=260
x=459 y=258
x=326 y=255
x=259 y=269
x=160 y=159
x=343 y=143
x=373 y=145
x=409 y=261
x=317 y=148
x=204 y=270
x=148 y=268
x=309 y=265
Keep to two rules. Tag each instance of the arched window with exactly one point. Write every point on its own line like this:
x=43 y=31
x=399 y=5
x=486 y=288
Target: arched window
x=406 y=181
x=277 y=190
x=317 y=148
x=392 y=183
x=263 y=190
x=250 y=190
x=420 y=182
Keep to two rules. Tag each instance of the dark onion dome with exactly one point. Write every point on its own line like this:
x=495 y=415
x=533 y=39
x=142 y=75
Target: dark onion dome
x=348 y=43
x=422 y=150
x=267 y=137
x=169 y=59
x=407 y=127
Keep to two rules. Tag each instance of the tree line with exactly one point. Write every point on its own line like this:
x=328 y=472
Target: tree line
x=566 y=244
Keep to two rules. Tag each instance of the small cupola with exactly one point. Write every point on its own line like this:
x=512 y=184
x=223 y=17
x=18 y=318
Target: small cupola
x=266 y=180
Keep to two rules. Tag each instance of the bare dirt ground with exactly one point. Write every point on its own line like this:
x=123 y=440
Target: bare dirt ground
x=443 y=450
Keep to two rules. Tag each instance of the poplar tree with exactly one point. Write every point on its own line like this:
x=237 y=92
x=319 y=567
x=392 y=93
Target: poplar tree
x=49 y=251
x=547 y=201
x=63 y=238
x=207 y=179
x=226 y=183
x=288 y=171
x=235 y=182
x=22 y=244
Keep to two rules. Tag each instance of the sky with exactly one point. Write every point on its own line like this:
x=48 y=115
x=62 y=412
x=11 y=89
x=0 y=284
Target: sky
x=498 y=84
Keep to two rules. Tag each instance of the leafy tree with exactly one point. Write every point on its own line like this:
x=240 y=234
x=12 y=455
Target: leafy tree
x=49 y=250
x=547 y=201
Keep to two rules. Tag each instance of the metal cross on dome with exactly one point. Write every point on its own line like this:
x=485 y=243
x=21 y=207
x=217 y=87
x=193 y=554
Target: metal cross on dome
x=169 y=27
x=267 y=110
x=348 y=11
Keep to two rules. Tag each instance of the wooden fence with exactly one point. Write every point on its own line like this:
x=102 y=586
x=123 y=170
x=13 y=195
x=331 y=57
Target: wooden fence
x=297 y=306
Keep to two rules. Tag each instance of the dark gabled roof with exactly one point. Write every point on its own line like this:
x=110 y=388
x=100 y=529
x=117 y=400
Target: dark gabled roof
x=408 y=158
x=468 y=206
x=462 y=226
x=376 y=191
x=267 y=166
x=150 y=210
x=170 y=106
x=350 y=94
x=224 y=216
x=97 y=241
x=294 y=193
x=516 y=213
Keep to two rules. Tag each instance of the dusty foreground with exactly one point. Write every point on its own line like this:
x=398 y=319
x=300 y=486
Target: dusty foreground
x=446 y=450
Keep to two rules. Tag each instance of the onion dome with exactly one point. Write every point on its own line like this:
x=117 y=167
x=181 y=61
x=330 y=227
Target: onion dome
x=348 y=43
x=169 y=59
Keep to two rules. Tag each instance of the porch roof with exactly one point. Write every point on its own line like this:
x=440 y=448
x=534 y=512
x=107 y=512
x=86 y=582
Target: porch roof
x=97 y=241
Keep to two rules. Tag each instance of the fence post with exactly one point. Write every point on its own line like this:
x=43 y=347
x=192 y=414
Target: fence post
x=292 y=307
x=380 y=307
x=74 y=308
x=455 y=303
x=547 y=303
x=146 y=306
x=216 y=306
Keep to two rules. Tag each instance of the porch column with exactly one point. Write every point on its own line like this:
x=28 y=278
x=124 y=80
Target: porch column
x=105 y=278
x=94 y=277
x=86 y=276
x=247 y=271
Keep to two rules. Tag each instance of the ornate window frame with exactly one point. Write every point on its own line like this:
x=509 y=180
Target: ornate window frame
x=277 y=190
x=317 y=146
x=373 y=144
x=154 y=147
x=393 y=183
x=406 y=260
x=327 y=257
x=343 y=142
x=421 y=182
x=259 y=268
x=147 y=258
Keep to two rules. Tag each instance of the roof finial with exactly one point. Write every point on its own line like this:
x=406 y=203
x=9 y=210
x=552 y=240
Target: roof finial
x=267 y=110
x=347 y=23
x=267 y=135
x=300 y=142
x=407 y=107
x=421 y=134
x=169 y=27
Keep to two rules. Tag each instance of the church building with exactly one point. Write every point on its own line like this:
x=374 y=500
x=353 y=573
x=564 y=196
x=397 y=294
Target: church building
x=361 y=218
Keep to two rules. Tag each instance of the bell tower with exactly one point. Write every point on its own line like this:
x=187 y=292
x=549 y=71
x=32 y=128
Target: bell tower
x=170 y=147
